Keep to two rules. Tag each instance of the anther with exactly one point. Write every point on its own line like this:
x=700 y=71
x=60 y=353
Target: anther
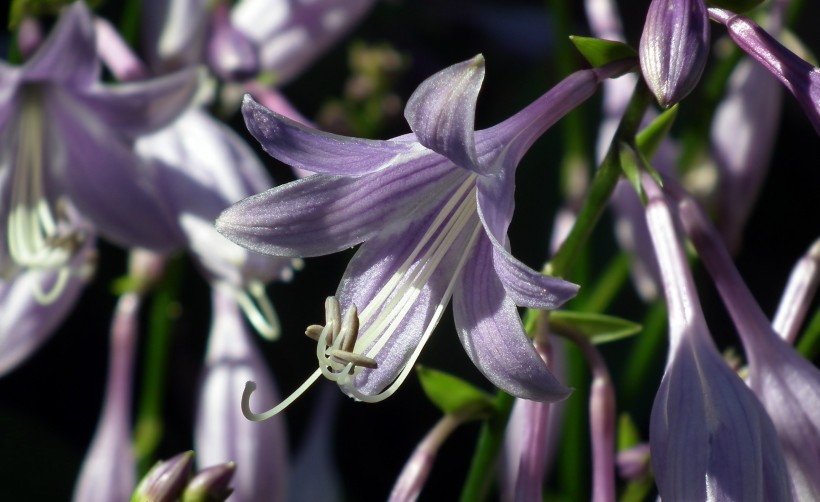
x=356 y=359
x=333 y=316
x=314 y=331
x=350 y=329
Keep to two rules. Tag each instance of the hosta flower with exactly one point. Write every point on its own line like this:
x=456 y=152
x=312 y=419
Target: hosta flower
x=797 y=75
x=674 y=48
x=66 y=143
x=277 y=36
x=797 y=297
x=222 y=434
x=432 y=209
x=710 y=438
x=202 y=167
x=787 y=384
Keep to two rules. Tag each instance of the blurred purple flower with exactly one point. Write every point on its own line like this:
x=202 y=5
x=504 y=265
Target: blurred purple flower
x=674 y=48
x=432 y=209
x=710 y=437
x=786 y=383
x=796 y=299
x=67 y=143
x=280 y=37
x=221 y=433
x=797 y=75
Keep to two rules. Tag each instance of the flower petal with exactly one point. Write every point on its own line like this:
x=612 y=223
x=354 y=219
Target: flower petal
x=526 y=287
x=321 y=152
x=141 y=107
x=69 y=54
x=106 y=181
x=441 y=112
x=324 y=214
x=490 y=329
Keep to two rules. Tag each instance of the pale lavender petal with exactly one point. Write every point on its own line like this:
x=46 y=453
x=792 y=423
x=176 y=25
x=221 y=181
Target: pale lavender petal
x=230 y=54
x=9 y=98
x=375 y=263
x=797 y=297
x=798 y=76
x=137 y=108
x=109 y=186
x=29 y=36
x=483 y=310
x=526 y=287
x=441 y=112
x=116 y=54
x=290 y=34
x=69 y=54
x=109 y=469
x=674 y=48
x=743 y=134
x=174 y=32
x=26 y=324
x=221 y=433
x=323 y=214
x=317 y=151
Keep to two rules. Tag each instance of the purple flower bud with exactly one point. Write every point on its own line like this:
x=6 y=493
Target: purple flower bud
x=674 y=48
x=165 y=481
x=803 y=282
x=798 y=76
x=211 y=485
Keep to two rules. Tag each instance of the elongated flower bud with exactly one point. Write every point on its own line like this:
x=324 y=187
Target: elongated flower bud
x=674 y=48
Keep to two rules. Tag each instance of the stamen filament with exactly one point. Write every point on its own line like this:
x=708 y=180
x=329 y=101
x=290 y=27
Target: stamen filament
x=250 y=387
x=259 y=311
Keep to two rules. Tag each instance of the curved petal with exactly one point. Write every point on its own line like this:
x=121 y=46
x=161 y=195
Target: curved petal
x=441 y=112
x=490 y=329
x=69 y=54
x=365 y=284
x=26 y=324
x=106 y=181
x=322 y=152
x=324 y=214
x=141 y=107
x=525 y=286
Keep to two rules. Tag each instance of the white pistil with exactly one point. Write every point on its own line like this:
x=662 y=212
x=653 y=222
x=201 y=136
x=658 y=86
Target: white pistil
x=37 y=237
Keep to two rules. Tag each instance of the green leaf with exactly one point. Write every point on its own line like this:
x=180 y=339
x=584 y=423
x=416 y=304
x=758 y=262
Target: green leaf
x=601 y=52
x=650 y=138
x=628 y=434
x=599 y=328
x=629 y=166
x=452 y=394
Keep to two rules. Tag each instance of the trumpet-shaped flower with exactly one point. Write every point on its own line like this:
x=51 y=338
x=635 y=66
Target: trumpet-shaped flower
x=710 y=438
x=432 y=209
x=674 y=48
x=66 y=142
x=787 y=384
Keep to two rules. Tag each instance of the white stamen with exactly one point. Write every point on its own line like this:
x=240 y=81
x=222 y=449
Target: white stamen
x=36 y=238
x=258 y=309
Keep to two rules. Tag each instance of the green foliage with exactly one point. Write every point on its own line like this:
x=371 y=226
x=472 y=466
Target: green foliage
x=599 y=328
x=451 y=394
x=35 y=8
x=600 y=52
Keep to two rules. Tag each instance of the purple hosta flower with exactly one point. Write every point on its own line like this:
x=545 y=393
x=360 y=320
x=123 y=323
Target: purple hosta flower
x=710 y=437
x=280 y=37
x=674 y=48
x=222 y=434
x=26 y=321
x=743 y=134
x=202 y=167
x=166 y=480
x=432 y=209
x=803 y=282
x=798 y=76
x=109 y=469
x=66 y=143
x=787 y=384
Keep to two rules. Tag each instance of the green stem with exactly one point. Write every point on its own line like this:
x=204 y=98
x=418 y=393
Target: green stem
x=149 y=426
x=490 y=440
x=603 y=184
x=809 y=344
